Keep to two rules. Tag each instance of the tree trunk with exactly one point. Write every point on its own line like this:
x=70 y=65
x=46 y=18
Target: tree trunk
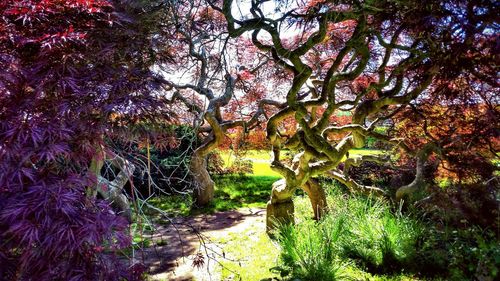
x=419 y=182
x=317 y=196
x=280 y=209
x=204 y=185
x=112 y=191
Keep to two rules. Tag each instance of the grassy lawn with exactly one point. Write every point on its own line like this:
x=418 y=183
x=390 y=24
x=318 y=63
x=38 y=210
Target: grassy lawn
x=261 y=159
x=257 y=257
x=361 y=238
x=254 y=254
x=231 y=192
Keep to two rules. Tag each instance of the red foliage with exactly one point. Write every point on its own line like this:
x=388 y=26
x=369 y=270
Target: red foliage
x=467 y=133
x=65 y=67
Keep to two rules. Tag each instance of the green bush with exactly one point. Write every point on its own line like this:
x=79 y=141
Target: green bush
x=240 y=167
x=215 y=163
x=370 y=235
x=460 y=254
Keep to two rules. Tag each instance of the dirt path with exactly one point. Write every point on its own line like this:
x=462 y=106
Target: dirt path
x=178 y=245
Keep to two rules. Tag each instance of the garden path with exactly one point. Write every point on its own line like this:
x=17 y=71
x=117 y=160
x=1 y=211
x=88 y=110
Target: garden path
x=177 y=245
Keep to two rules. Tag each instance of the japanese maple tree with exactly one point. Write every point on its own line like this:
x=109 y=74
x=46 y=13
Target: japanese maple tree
x=65 y=67
x=212 y=93
x=374 y=59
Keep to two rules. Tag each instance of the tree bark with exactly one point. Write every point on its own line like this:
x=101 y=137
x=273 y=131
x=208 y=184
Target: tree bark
x=112 y=191
x=317 y=197
x=407 y=191
x=419 y=182
x=280 y=209
x=204 y=185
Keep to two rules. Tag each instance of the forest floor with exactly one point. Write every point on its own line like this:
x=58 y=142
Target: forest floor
x=176 y=246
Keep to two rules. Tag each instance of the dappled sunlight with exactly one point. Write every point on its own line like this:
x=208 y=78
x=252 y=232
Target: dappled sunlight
x=174 y=244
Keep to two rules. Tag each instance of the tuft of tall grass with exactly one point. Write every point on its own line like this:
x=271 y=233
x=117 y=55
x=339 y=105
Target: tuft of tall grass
x=357 y=230
x=309 y=252
x=378 y=238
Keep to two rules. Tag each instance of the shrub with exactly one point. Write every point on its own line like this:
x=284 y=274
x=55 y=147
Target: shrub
x=240 y=167
x=215 y=164
x=460 y=254
x=170 y=147
x=378 y=238
x=462 y=205
x=66 y=67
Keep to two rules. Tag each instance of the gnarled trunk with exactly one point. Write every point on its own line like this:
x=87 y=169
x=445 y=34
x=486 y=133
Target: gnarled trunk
x=204 y=185
x=112 y=191
x=280 y=209
x=419 y=182
x=317 y=197
x=406 y=191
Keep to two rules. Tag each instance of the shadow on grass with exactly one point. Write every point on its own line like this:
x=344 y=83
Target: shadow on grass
x=176 y=238
x=239 y=191
x=231 y=192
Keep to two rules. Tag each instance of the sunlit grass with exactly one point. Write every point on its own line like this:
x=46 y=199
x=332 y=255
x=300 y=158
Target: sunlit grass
x=368 y=238
x=252 y=255
x=360 y=235
x=231 y=192
x=264 y=169
x=261 y=159
x=368 y=228
x=365 y=151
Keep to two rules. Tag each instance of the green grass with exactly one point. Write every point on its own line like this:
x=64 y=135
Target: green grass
x=359 y=237
x=175 y=204
x=231 y=192
x=264 y=169
x=365 y=151
x=309 y=252
x=249 y=256
x=261 y=159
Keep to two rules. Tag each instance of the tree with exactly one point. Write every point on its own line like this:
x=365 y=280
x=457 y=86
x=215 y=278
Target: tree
x=375 y=59
x=66 y=68
x=206 y=90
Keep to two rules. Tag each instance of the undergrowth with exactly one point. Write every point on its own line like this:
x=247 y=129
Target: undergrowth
x=361 y=232
x=363 y=238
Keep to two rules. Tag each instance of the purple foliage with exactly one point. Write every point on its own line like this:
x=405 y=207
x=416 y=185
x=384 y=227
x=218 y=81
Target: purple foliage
x=65 y=67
